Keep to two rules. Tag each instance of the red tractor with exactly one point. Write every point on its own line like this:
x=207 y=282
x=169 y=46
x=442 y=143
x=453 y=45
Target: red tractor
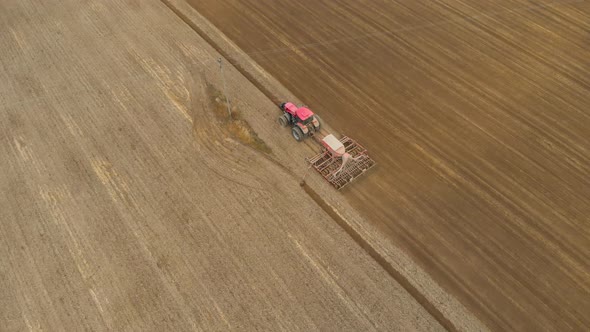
x=301 y=119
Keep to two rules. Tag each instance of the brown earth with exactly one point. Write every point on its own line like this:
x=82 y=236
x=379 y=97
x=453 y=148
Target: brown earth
x=125 y=205
x=477 y=113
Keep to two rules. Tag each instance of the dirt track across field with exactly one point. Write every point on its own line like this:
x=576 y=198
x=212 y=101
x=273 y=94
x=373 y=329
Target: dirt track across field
x=477 y=113
x=124 y=204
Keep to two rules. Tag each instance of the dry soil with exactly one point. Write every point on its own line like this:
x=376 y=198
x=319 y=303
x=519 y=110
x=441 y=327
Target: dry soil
x=477 y=112
x=124 y=205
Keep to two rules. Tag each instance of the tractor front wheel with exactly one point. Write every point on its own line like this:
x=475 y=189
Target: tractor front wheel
x=297 y=134
x=283 y=120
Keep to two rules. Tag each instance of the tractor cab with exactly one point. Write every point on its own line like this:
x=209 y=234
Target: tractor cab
x=303 y=115
x=299 y=114
x=302 y=120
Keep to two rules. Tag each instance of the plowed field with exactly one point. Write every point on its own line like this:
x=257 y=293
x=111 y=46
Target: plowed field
x=478 y=114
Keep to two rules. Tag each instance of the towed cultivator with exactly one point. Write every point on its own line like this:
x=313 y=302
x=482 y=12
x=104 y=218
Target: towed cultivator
x=341 y=161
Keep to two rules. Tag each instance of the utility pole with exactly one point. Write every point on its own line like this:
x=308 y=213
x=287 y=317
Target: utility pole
x=219 y=60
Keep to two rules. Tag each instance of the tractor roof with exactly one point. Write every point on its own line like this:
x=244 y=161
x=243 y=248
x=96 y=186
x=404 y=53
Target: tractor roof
x=304 y=113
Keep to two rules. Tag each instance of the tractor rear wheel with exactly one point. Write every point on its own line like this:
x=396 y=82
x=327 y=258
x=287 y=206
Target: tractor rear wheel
x=297 y=134
x=317 y=117
x=283 y=120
